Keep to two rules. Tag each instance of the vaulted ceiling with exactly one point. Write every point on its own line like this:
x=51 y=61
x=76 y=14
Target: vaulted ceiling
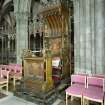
x=6 y=7
x=7 y=17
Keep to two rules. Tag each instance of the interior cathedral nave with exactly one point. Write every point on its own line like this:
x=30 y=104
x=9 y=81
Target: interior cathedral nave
x=52 y=51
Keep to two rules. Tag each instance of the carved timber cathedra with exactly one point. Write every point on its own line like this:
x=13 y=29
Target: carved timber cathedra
x=43 y=74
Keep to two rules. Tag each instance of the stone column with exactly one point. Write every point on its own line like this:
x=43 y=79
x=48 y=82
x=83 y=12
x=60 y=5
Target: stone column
x=88 y=40
x=2 y=50
x=100 y=35
x=21 y=10
x=22 y=34
x=8 y=49
x=89 y=32
x=79 y=36
x=92 y=22
x=85 y=42
x=76 y=36
x=82 y=36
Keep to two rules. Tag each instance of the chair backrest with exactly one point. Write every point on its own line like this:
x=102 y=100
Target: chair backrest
x=1 y=66
x=11 y=68
x=95 y=81
x=5 y=74
x=84 y=74
x=98 y=75
x=78 y=79
x=4 y=67
x=18 y=68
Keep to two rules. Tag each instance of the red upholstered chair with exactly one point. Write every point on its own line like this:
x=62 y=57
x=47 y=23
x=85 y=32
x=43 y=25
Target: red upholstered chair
x=78 y=85
x=15 y=72
x=18 y=73
x=4 y=79
x=94 y=90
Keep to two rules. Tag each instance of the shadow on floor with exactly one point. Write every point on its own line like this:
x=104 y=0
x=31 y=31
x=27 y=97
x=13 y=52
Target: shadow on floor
x=77 y=102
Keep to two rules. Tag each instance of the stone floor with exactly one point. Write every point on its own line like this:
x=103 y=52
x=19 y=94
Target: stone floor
x=13 y=100
x=18 y=101
x=77 y=102
x=2 y=95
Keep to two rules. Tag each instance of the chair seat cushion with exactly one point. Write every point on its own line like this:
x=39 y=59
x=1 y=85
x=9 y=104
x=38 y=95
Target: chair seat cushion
x=94 y=92
x=75 y=89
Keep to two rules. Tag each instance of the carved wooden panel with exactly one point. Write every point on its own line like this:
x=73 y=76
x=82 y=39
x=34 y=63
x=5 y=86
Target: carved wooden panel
x=56 y=45
x=34 y=67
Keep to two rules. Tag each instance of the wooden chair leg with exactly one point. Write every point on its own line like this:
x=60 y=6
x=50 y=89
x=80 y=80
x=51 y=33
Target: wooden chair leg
x=66 y=99
x=82 y=101
x=102 y=103
x=87 y=102
x=14 y=82
x=72 y=98
x=7 y=88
